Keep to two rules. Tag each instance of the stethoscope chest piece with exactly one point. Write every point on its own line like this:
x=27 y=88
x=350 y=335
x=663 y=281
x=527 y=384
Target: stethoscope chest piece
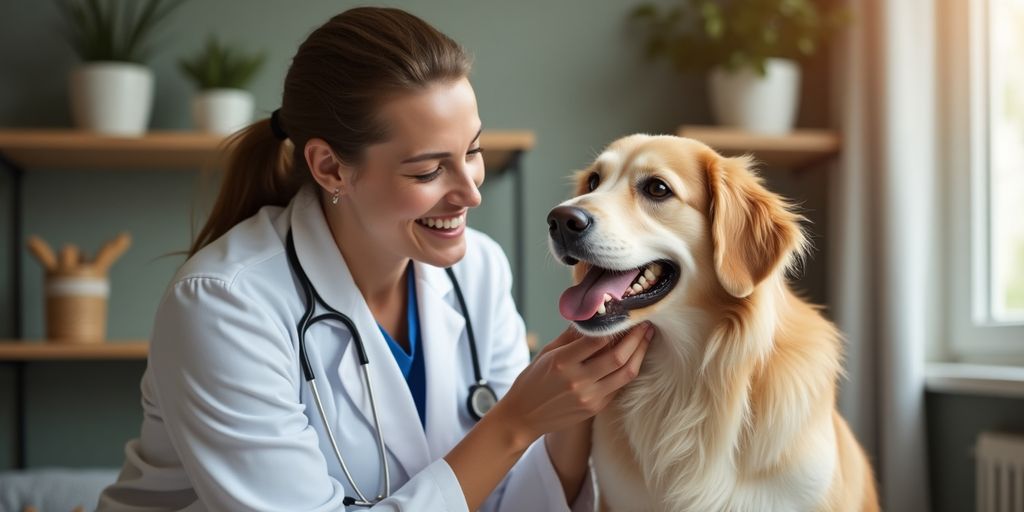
x=481 y=399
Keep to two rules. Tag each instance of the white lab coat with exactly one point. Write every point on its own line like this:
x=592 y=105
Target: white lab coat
x=229 y=423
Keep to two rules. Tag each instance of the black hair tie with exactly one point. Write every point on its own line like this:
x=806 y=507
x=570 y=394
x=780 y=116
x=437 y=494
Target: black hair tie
x=275 y=125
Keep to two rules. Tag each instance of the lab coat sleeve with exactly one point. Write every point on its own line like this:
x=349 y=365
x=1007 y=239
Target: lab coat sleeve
x=227 y=379
x=532 y=484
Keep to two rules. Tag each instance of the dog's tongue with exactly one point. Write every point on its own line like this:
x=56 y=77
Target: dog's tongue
x=581 y=301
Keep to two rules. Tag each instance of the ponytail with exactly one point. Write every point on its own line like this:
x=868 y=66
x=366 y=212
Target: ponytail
x=259 y=173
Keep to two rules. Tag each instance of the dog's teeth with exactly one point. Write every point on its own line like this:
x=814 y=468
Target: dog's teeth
x=649 y=275
x=637 y=288
x=656 y=269
x=601 y=309
x=643 y=282
x=607 y=297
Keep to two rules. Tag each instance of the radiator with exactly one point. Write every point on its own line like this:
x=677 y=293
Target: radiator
x=1000 y=472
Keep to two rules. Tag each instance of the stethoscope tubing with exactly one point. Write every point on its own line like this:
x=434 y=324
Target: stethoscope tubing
x=312 y=299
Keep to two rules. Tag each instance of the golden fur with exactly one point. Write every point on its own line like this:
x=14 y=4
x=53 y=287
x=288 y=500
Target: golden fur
x=734 y=408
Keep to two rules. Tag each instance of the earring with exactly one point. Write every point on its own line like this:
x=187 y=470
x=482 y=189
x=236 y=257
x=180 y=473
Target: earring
x=334 y=198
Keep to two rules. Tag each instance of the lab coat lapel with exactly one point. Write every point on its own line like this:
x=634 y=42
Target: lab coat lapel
x=326 y=268
x=443 y=332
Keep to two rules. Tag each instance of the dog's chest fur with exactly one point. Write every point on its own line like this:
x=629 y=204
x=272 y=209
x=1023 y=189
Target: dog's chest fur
x=689 y=436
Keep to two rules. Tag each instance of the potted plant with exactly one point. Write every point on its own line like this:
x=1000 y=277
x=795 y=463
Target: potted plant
x=749 y=48
x=112 y=90
x=222 y=74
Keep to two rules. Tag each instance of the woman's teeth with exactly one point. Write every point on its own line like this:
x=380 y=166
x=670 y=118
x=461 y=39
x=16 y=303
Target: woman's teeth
x=646 y=279
x=441 y=222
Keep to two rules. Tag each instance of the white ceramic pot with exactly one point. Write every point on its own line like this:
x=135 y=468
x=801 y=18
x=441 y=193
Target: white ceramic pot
x=743 y=99
x=113 y=98
x=222 y=111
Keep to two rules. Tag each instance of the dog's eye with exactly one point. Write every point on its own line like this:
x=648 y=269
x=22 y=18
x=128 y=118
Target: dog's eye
x=593 y=181
x=656 y=189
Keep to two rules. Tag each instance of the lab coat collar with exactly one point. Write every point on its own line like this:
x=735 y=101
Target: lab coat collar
x=441 y=326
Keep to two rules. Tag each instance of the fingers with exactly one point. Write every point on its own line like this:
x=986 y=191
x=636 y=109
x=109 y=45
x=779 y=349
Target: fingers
x=583 y=347
x=617 y=355
x=627 y=372
x=567 y=336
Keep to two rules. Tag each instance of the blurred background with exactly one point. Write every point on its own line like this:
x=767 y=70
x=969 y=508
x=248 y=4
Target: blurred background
x=904 y=150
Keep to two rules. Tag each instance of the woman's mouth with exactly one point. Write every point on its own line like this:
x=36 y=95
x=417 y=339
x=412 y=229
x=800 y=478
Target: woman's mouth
x=442 y=223
x=450 y=226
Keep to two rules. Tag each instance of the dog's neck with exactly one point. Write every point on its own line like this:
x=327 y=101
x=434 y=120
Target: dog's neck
x=707 y=378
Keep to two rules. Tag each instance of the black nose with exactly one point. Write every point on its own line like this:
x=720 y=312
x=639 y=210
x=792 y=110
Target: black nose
x=569 y=221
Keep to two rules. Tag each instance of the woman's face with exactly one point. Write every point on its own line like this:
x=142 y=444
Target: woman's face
x=413 y=192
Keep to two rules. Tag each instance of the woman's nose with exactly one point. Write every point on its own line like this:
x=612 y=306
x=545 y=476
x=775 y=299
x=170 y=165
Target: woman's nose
x=467 y=190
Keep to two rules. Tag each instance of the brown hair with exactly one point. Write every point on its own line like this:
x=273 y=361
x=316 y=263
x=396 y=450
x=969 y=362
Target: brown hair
x=338 y=79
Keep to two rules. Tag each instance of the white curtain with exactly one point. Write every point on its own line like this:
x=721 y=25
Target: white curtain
x=882 y=235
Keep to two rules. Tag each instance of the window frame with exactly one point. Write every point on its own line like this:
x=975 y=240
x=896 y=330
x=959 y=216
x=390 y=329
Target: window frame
x=973 y=334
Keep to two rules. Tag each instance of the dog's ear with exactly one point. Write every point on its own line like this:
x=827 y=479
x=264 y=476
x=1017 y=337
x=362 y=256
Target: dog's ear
x=752 y=229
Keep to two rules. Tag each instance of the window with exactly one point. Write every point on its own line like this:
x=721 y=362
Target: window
x=982 y=105
x=1006 y=161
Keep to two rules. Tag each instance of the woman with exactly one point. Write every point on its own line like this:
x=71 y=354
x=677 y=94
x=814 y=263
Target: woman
x=361 y=213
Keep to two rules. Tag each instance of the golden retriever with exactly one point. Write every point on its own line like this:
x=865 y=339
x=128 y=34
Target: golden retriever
x=734 y=407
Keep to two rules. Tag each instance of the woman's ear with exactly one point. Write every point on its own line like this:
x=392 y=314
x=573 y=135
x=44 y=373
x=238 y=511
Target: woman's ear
x=753 y=230
x=327 y=169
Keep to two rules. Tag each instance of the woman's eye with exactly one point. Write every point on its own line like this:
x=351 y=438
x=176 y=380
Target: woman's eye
x=656 y=189
x=429 y=176
x=474 y=152
x=593 y=181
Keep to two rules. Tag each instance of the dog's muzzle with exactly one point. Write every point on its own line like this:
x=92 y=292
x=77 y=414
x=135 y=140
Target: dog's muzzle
x=568 y=226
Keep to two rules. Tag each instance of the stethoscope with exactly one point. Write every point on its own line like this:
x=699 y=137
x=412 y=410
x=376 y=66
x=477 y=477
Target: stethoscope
x=481 y=395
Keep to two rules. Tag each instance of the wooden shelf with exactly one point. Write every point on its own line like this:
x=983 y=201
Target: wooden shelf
x=38 y=350
x=80 y=150
x=795 y=150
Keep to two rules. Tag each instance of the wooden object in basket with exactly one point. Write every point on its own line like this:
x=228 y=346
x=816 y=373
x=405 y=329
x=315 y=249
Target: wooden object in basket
x=77 y=290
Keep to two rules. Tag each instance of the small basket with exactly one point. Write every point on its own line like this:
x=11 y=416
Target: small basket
x=76 y=306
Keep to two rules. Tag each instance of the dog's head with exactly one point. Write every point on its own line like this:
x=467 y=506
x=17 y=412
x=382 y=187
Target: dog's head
x=660 y=223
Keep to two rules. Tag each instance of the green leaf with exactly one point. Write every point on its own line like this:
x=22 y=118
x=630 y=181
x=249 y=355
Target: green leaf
x=115 y=30
x=221 y=66
x=806 y=46
x=761 y=67
x=643 y=12
x=714 y=28
x=700 y=34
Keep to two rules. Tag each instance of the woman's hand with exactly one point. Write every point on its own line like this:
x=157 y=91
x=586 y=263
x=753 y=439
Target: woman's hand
x=572 y=379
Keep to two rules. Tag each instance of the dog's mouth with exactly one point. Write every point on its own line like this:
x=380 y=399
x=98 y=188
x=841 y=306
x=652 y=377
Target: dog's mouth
x=605 y=297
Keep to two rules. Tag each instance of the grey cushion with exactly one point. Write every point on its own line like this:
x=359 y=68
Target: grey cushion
x=53 y=489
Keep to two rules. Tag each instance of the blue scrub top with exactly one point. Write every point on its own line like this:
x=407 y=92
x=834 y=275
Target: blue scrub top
x=411 y=363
